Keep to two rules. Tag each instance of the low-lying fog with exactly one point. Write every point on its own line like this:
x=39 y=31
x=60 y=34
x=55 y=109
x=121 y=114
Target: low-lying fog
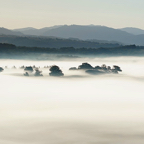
x=75 y=109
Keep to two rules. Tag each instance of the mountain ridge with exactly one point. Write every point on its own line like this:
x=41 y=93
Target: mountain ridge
x=89 y=32
x=132 y=30
x=84 y=32
x=4 y=31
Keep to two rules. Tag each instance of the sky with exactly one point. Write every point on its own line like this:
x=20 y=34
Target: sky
x=45 y=13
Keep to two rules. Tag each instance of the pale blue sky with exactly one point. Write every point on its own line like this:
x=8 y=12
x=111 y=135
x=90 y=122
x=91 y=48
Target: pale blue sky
x=43 y=13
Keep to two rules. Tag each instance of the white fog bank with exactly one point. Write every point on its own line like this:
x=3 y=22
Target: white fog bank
x=74 y=109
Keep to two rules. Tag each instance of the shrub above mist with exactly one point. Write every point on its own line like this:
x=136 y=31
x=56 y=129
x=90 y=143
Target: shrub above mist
x=38 y=72
x=85 y=66
x=73 y=68
x=26 y=74
x=97 y=69
x=104 y=70
x=55 y=71
x=29 y=69
x=1 y=69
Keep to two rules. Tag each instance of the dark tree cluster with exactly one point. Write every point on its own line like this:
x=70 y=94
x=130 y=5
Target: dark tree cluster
x=97 y=69
x=85 y=66
x=73 y=68
x=26 y=74
x=28 y=69
x=1 y=69
x=55 y=71
x=38 y=72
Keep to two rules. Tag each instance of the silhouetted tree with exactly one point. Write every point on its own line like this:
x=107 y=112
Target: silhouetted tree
x=34 y=66
x=55 y=71
x=95 y=72
x=29 y=69
x=38 y=72
x=1 y=69
x=97 y=67
x=104 y=70
x=104 y=67
x=116 y=69
x=26 y=74
x=108 y=67
x=85 y=66
x=73 y=68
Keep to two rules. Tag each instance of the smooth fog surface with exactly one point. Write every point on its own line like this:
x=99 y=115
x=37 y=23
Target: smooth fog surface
x=74 y=109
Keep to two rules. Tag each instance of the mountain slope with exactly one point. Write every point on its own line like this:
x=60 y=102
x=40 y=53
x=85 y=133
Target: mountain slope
x=131 y=30
x=34 y=31
x=90 y=32
x=95 y=32
x=31 y=41
x=86 y=32
x=4 y=31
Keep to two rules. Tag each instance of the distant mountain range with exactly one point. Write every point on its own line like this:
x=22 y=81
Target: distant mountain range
x=91 y=33
x=34 y=31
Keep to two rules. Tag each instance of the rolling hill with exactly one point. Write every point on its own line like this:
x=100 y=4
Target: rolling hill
x=131 y=30
x=4 y=31
x=88 y=32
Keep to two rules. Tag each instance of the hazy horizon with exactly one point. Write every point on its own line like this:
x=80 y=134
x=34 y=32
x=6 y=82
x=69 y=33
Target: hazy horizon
x=44 y=13
x=71 y=25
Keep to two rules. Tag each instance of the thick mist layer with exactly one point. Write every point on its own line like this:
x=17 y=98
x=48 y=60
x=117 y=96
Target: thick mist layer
x=76 y=108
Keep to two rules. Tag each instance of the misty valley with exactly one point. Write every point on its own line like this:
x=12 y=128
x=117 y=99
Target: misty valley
x=60 y=91
x=72 y=84
x=76 y=107
x=71 y=72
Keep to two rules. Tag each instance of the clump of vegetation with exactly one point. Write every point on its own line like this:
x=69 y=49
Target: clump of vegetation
x=104 y=70
x=97 y=69
x=28 y=69
x=116 y=69
x=1 y=69
x=85 y=66
x=22 y=67
x=26 y=74
x=38 y=72
x=55 y=71
x=73 y=68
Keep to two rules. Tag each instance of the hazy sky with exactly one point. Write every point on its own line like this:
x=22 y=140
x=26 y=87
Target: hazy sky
x=43 y=13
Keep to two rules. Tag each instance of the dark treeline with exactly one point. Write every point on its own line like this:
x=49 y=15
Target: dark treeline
x=53 y=42
x=129 y=50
